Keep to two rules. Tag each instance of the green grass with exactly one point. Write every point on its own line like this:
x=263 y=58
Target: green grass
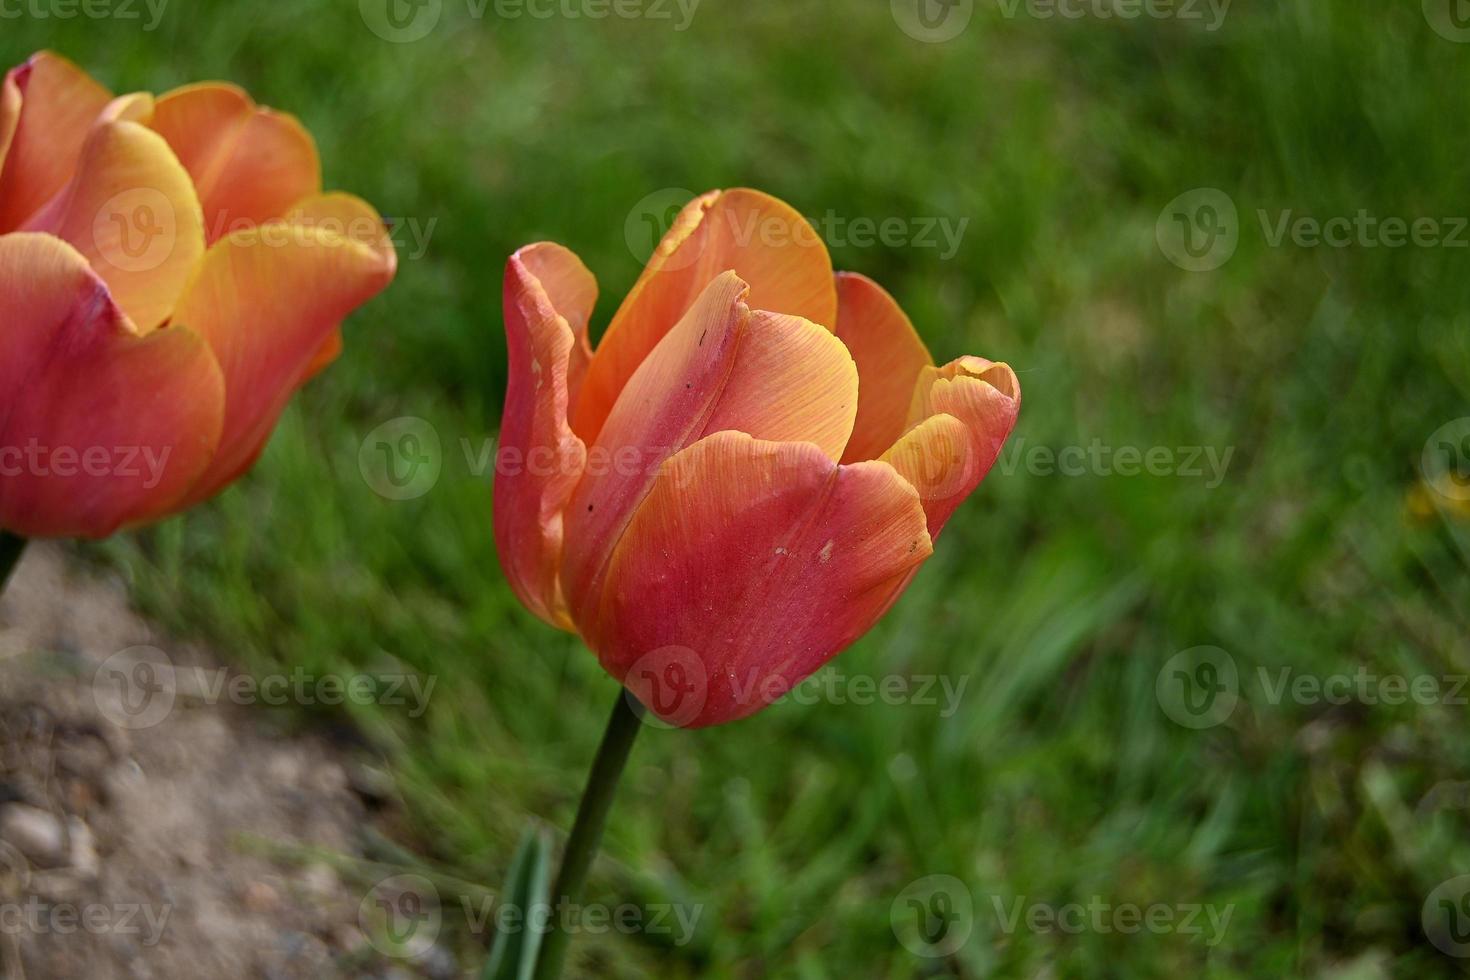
x=1059 y=598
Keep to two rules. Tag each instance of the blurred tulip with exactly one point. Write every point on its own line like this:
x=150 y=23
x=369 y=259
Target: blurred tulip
x=170 y=274
x=747 y=473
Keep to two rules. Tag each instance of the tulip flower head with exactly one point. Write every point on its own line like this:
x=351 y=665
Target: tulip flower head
x=749 y=470
x=170 y=274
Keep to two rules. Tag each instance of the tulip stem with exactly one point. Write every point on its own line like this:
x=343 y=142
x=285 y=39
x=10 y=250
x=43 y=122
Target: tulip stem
x=582 y=845
x=11 y=548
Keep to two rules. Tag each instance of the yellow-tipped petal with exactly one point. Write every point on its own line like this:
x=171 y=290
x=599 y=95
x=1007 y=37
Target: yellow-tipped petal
x=971 y=405
x=763 y=240
x=889 y=356
x=266 y=300
x=131 y=210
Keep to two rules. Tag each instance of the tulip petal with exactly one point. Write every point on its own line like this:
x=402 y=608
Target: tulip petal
x=763 y=240
x=759 y=561
x=889 y=356
x=344 y=214
x=131 y=210
x=10 y=102
x=723 y=367
x=549 y=295
x=266 y=299
x=58 y=102
x=250 y=163
x=970 y=407
x=103 y=427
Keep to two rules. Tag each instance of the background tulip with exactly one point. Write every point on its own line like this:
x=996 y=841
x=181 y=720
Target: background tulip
x=170 y=273
x=746 y=474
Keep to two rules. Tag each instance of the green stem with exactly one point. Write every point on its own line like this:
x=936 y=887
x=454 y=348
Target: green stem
x=11 y=548
x=597 y=799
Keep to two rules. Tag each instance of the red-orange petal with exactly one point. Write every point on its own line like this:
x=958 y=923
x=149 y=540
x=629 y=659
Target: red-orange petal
x=266 y=300
x=748 y=567
x=549 y=295
x=723 y=367
x=967 y=409
x=100 y=427
x=131 y=210
x=763 y=240
x=889 y=356
x=58 y=102
x=250 y=163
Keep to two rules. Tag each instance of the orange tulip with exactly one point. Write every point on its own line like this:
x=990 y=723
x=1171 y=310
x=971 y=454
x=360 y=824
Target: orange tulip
x=747 y=473
x=170 y=274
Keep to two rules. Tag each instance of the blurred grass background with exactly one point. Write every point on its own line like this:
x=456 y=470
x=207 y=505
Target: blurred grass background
x=1060 y=598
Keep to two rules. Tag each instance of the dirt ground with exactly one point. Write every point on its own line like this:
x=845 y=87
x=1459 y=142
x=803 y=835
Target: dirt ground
x=159 y=835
